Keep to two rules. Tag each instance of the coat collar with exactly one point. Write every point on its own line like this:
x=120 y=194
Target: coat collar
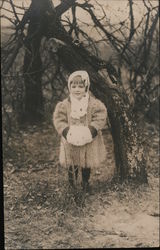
x=69 y=99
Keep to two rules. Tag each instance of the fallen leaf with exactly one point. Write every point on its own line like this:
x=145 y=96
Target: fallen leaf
x=98 y=172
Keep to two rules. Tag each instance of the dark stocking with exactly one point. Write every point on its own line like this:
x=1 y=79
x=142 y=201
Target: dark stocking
x=85 y=176
x=70 y=175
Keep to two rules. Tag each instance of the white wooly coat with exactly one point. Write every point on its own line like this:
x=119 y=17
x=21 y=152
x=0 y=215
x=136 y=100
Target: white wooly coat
x=91 y=154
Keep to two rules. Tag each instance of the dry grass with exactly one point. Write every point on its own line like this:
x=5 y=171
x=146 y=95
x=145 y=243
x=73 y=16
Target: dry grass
x=41 y=212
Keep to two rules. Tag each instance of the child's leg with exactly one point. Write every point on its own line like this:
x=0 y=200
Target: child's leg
x=76 y=171
x=85 y=176
x=70 y=174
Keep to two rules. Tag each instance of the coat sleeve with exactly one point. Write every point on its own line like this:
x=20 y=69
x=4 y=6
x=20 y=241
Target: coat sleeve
x=99 y=115
x=60 y=120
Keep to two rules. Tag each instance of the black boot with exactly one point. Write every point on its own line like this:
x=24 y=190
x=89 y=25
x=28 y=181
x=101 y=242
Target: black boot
x=85 y=178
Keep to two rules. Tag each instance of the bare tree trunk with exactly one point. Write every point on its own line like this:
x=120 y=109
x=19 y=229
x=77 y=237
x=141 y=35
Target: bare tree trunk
x=32 y=63
x=38 y=17
x=43 y=19
x=33 y=87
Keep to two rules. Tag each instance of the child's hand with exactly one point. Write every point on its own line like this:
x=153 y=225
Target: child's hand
x=65 y=132
x=93 y=131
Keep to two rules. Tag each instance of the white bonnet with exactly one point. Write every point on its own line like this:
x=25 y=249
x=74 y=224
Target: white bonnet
x=84 y=76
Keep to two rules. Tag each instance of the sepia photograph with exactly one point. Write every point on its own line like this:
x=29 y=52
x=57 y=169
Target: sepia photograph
x=80 y=124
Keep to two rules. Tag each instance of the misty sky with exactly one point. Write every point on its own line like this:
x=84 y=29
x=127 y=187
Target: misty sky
x=116 y=9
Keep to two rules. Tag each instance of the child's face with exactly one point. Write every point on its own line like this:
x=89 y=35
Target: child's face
x=77 y=87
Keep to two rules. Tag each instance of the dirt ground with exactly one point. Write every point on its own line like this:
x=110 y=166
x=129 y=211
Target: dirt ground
x=40 y=211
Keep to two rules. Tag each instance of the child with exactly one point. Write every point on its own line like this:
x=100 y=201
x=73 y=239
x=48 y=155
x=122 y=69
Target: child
x=79 y=120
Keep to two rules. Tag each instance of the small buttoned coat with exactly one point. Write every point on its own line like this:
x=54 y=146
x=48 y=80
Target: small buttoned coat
x=92 y=154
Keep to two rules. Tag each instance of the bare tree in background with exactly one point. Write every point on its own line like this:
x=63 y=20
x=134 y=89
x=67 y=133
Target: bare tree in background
x=75 y=49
